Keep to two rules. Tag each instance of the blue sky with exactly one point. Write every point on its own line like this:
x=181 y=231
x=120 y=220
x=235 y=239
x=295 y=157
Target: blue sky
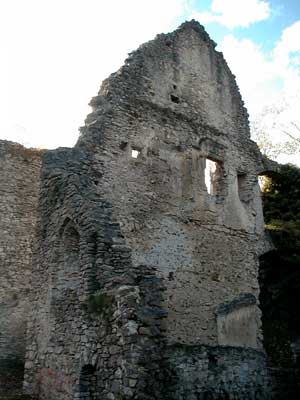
x=55 y=53
x=283 y=13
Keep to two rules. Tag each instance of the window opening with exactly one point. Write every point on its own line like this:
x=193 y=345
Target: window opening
x=135 y=153
x=211 y=168
x=262 y=182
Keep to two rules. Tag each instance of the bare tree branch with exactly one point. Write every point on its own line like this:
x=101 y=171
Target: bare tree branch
x=297 y=126
x=290 y=135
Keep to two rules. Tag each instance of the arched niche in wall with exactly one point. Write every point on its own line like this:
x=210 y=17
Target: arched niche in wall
x=265 y=174
x=69 y=262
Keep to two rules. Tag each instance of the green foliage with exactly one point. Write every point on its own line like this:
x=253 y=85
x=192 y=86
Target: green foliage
x=281 y=195
x=280 y=269
x=100 y=303
x=281 y=200
x=278 y=345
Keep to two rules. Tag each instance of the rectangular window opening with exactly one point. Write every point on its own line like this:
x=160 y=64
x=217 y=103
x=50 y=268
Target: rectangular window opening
x=135 y=153
x=211 y=176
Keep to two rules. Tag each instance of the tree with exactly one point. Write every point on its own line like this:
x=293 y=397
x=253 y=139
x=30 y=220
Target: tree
x=280 y=268
x=277 y=129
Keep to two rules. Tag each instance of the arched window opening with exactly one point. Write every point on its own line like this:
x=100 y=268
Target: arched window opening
x=265 y=179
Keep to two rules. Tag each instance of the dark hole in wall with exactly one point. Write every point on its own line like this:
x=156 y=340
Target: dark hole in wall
x=174 y=99
x=123 y=145
x=171 y=276
x=87 y=383
x=213 y=360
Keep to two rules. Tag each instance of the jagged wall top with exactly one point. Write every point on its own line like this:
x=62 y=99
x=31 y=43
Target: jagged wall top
x=182 y=72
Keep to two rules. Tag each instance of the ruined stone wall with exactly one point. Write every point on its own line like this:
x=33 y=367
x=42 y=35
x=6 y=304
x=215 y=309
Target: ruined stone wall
x=176 y=103
x=19 y=187
x=91 y=322
x=134 y=253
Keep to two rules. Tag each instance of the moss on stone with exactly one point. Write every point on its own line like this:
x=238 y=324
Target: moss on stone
x=100 y=303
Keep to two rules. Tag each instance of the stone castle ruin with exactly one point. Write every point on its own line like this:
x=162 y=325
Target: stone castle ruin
x=130 y=262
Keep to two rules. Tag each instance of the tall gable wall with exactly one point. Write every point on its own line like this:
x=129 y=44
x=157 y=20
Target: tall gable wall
x=176 y=103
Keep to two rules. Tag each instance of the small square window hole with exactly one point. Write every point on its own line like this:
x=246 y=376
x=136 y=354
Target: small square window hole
x=135 y=153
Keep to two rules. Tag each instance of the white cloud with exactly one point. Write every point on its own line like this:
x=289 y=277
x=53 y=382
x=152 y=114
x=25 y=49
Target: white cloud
x=56 y=53
x=235 y=13
x=262 y=77
x=268 y=79
x=255 y=73
x=284 y=50
x=289 y=41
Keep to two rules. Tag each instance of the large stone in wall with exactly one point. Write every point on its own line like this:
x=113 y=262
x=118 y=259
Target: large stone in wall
x=149 y=236
x=19 y=190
